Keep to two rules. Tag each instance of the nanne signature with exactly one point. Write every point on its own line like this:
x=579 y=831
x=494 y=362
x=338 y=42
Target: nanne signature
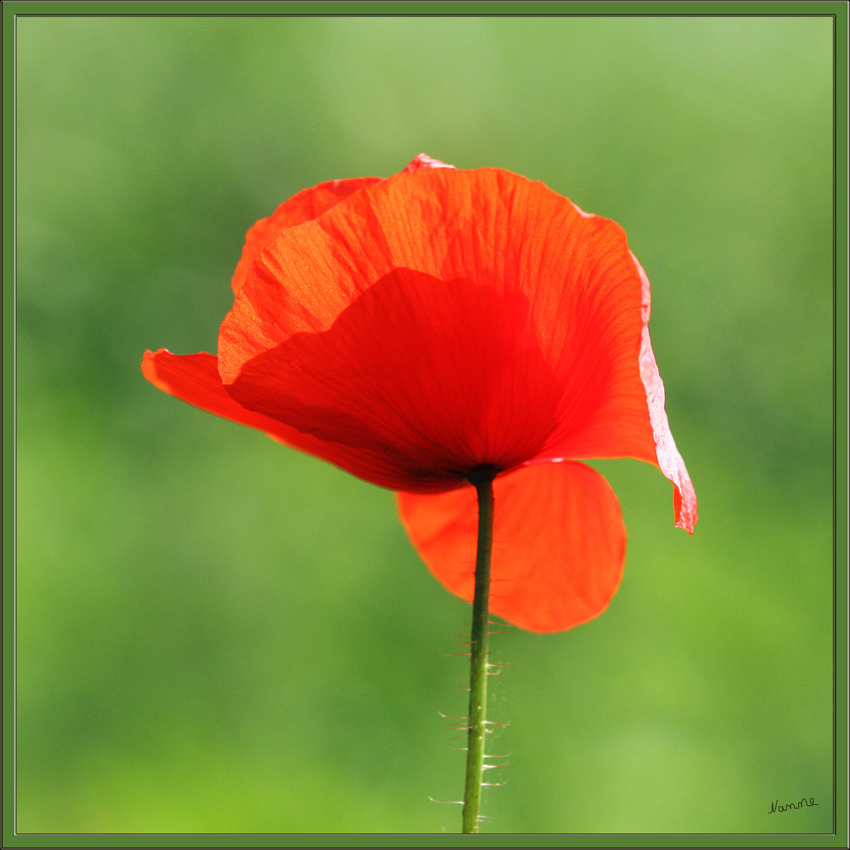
x=775 y=807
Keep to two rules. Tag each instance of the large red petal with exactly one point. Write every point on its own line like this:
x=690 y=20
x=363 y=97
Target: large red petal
x=632 y=421
x=489 y=228
x=436 y=377
x=558 y=546
x=194 y=379
x=304 y=206
x=584 y=290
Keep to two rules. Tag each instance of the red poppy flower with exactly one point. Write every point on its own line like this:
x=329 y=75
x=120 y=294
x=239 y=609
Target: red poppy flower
x=414 y=329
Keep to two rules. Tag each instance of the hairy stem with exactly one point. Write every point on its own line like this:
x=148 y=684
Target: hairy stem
x=483 y=481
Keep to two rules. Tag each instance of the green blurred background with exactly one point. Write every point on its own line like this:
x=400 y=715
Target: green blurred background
x=216 y=633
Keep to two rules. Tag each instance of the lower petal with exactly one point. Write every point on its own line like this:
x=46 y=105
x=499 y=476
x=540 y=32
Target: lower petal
x=559 y=543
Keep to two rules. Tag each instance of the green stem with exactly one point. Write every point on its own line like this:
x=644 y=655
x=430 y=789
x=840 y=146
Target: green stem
x=483 y=481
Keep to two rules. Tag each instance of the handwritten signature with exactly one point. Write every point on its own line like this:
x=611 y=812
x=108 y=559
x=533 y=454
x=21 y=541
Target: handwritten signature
x=775 y=807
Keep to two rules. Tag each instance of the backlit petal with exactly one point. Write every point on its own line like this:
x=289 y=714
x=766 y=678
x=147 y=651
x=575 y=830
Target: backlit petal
x=437 y=377
x=558 y=546
x=422 y=160
x=304 y=206
x=632 y=422
x=194 y=378
x=667 y=455
x=489 y=226
x=580 y=293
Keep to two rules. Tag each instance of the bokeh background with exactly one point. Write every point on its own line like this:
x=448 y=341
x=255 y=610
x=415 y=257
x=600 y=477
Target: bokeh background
x=216 y=633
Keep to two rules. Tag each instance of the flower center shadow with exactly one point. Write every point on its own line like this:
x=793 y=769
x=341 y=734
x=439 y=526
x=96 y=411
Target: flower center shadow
x=439 y=376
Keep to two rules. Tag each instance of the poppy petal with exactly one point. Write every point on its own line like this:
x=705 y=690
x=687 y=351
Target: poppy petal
x=194 y=378
x=668 y=459
x=630 y=420
x=585 y=317
x=422 y=160
x=558 y=545
x=437 y=377
x=303 y=206
x=489 y=228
